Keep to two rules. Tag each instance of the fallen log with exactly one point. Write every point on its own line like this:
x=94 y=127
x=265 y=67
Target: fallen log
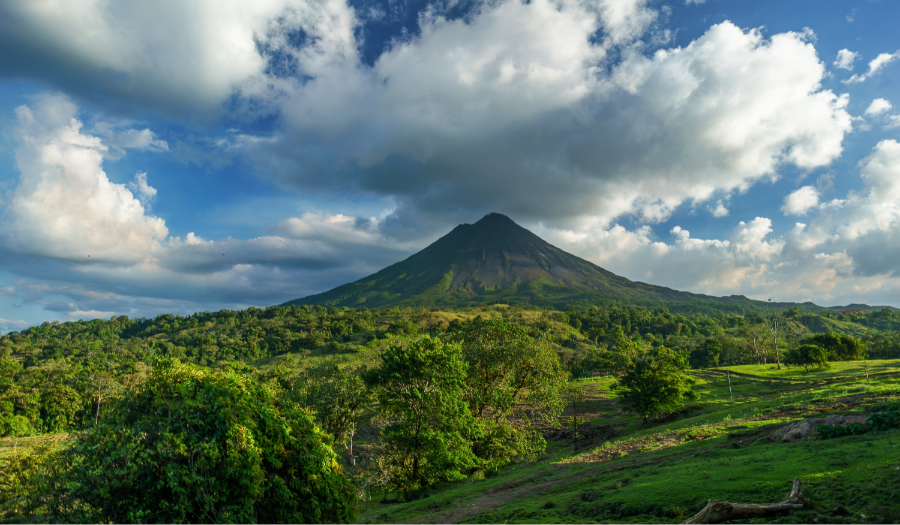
x=722 y=511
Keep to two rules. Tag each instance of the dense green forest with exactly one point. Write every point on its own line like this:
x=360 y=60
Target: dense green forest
x=406 y=398
x=57 y=376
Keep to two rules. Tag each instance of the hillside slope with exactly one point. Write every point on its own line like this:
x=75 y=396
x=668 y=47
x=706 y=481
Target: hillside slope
x=497 y=260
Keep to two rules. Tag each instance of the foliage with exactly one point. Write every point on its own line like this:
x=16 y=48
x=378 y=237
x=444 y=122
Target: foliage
x=835 y=431
x=838 y=347
x=192 y=446
x=420 y=388
x=655 y=383
x=337 y=396
x=807 y=355
x=881 y=421
x=508 y=369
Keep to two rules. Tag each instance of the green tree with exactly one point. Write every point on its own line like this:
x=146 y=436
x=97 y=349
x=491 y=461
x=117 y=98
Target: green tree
x=807 y=355
x=838 y=347
x=338 y=397
x=198 y=447
x=509 y=372
x=420 y=386
x=708 y=354
x=60 y=404
x=655 y=383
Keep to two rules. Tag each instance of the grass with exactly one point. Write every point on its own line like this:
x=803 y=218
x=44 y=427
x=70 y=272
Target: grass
x=10 y=444
x=715 y=448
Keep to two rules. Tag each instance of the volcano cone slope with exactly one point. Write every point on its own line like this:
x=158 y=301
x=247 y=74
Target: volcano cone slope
x=496 y=260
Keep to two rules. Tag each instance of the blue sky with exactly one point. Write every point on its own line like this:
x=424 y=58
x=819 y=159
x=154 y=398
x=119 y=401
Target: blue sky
x=178 y=157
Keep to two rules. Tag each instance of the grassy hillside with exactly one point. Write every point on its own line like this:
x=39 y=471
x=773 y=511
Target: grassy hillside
x=622 y=471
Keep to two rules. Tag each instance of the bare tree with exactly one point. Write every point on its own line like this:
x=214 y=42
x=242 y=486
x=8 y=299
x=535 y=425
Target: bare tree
x=774 y=321
x=755 y=337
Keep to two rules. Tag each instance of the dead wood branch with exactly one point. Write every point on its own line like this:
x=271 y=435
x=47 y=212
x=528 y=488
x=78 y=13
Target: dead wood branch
x=722 y=511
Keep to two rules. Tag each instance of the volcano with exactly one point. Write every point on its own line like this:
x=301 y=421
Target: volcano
x=497 y=261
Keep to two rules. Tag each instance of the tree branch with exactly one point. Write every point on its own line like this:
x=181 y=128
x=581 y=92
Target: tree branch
x=722 y=511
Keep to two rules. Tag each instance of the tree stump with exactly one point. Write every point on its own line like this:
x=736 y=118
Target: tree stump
x=722 y=511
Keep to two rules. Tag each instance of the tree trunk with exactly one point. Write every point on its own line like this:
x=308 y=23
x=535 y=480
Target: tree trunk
x=722 y=511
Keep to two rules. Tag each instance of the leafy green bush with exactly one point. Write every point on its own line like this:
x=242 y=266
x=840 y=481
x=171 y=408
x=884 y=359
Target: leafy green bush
x=191 y=446
x=835 y=431
x=880 y=421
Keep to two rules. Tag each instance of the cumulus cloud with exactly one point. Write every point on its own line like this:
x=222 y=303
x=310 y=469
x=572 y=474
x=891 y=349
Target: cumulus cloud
x=801 y=201
x=145 y=192
x=878 y=106
x=481 y=114
x=66 y=222
x=876 y=65
x=209 y=51
x=845 y=59
x=719 y=211
x=8 y=325
x=65 y=206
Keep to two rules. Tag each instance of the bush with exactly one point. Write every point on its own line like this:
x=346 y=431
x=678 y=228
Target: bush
x=655 y=383
x=880 y=421
x=191 y=446
x=16 y=426
x=835 y=431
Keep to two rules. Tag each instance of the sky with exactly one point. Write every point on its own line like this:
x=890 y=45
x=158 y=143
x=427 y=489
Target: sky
x=173 y=157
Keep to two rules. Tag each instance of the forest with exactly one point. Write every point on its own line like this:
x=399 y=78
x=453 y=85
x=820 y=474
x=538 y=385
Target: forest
x=394 y=402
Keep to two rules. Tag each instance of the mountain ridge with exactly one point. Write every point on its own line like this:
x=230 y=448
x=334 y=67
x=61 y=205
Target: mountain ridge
x=496 y=260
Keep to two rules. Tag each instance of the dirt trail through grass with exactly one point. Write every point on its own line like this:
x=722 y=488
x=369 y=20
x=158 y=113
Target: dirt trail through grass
x=520 y=488
x=514 y=490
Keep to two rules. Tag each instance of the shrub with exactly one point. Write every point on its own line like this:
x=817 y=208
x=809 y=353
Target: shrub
x=880 y=421
x=655 y=383
x=191 y=446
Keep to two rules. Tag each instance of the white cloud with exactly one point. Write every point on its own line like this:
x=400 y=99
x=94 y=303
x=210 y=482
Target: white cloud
x=878 y=106
x=481 y=114
x=67 y=223
x=719 y=211
x=65 y=206
x=624 y=21
x=7 y=325
x=893 y=122
x=875 y=65
x=800 y=201
x=845 y=59
x=145 y=192
x=210 y=49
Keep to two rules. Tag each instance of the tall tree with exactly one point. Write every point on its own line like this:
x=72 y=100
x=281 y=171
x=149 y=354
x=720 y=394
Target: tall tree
x=513 y=380
x=420 y=388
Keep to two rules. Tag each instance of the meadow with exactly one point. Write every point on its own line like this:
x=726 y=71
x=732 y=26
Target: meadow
x=715 y=448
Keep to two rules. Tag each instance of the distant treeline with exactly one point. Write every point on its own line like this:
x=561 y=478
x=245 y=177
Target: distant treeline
x=59 y=376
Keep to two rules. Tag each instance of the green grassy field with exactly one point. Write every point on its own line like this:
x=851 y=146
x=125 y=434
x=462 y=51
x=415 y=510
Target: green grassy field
x=715 y=448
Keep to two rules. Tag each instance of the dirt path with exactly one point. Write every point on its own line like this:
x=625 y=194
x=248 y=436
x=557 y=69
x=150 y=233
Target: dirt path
x=498 y=496
x=515 y=489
